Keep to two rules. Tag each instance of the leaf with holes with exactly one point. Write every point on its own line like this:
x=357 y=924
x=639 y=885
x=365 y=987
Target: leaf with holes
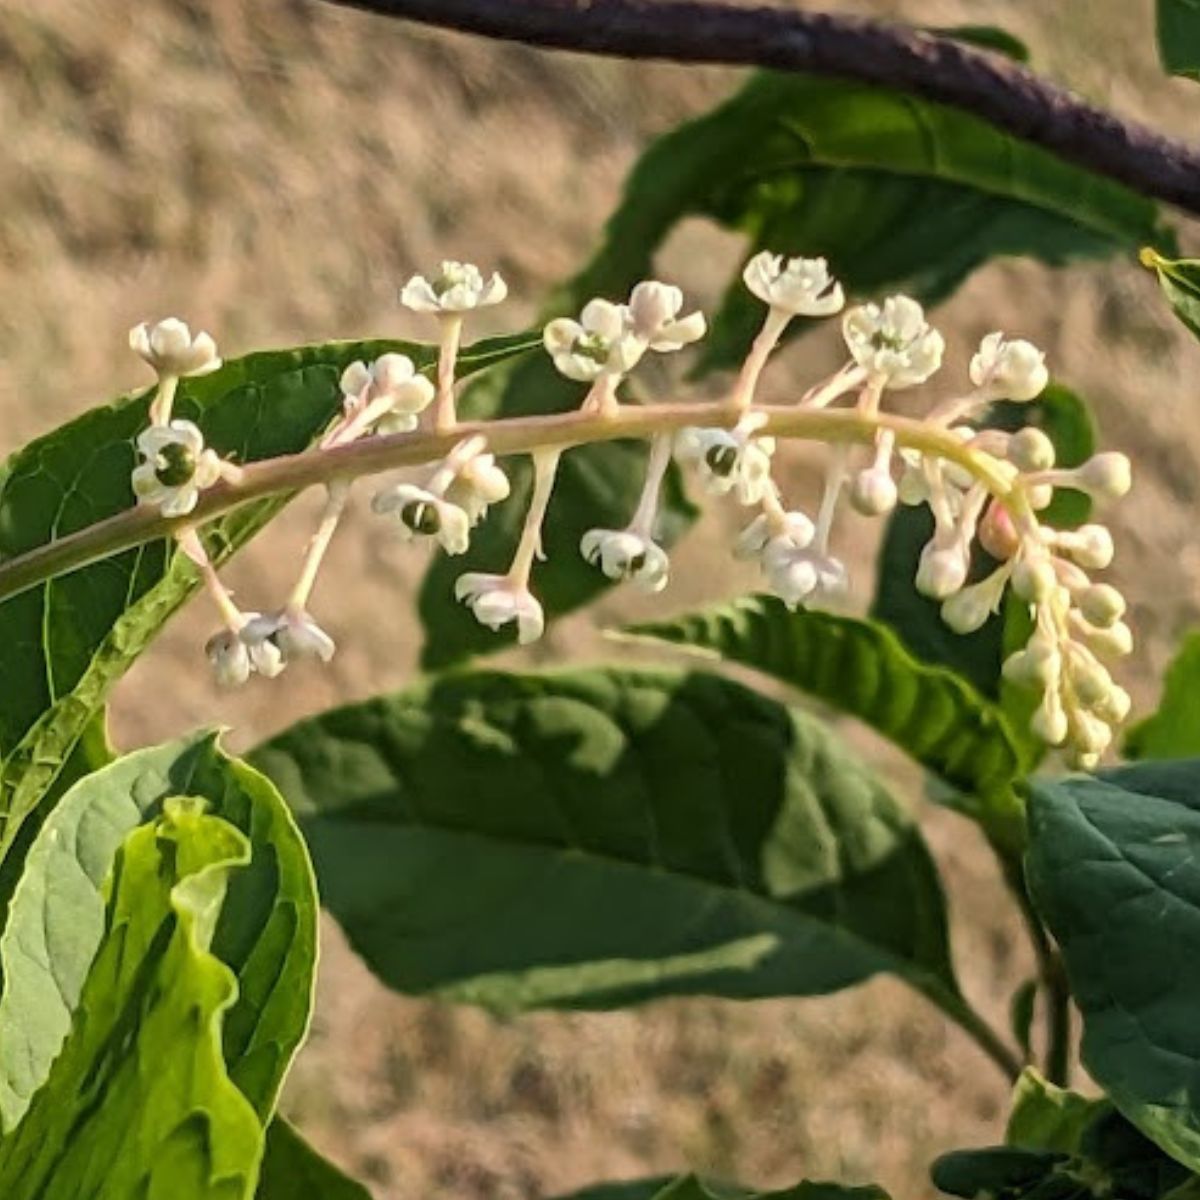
x=64 y=643
x=615 y=836
x=861 y=668
x=105 y=1125
x=267 y=934
x=1114 y=868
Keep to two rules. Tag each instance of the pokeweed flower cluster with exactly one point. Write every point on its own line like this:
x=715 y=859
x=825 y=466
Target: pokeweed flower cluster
x=986 y=488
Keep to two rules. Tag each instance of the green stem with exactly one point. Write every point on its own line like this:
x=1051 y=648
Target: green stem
x=959 y=1010
x=516 y=435
x=1052 y=977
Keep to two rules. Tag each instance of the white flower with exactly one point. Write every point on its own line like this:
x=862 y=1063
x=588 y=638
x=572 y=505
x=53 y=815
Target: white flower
x=171 y=349
x=458 y=288
x=728 y=461
x=627 y=554
x=601 y=342
x=423 y=514
x=800 y=286
x=894 y=343
x=654 y=317
x=176 y=468
x=496 y=601
x=794 y=528
x=391 y=377
x=478 y=485
x=236 y=656
x=1007 y=370
x=799 y=574
x=291 y=634
x=229 y=657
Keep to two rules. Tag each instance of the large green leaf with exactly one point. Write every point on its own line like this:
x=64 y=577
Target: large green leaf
x=861 y=668
x=1114 y=868
x=1174 y=730
x=1179 y=36
x=1046 y=1117
x=689 y=1187
x=266 y=935
x=979 y=656
x=896 y=192
x=599 y=838
x=64 y=643
x=138 y=1105
x=293 y=1170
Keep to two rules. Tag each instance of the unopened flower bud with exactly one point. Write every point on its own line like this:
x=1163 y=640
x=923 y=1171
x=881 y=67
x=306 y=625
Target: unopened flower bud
x=968 y=610
x=1089 y=734
x=1114 y=707
x=1092 y=683
x=1091 y=546
x=1033 y=579
x=1049 y=722
x=1038 y=666
x=874 y=493
x=1114 y=642
x=1030 y=449
x=1107 y=476
x=942 y=571
x=1040 y=495
x=997 y=533
x=1101 y=604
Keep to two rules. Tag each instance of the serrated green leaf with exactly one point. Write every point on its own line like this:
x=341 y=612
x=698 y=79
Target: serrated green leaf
x=138 y=1105
x=1046 y=1117
x=267 y=934
x=1114 y=868
x=1174 y=730
x=896 y=192
x=64 y=643
x=293 y=1170
x=615 y=836
x=1179 y=36
x=978 y=657
x=862 y=668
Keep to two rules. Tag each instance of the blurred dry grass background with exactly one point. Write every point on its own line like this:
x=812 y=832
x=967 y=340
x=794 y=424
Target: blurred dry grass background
x=271 y=171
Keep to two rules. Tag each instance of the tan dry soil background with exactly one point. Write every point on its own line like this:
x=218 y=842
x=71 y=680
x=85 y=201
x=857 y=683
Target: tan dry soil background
x=271 y=171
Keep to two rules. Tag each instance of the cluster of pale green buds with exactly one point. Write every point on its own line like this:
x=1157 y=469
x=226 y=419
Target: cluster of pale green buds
x=984 y=487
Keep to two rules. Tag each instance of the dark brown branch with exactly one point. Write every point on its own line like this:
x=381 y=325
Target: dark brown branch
x=938 y=68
